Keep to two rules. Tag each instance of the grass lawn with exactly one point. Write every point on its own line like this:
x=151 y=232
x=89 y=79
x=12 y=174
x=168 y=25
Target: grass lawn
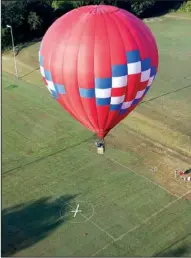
x=49 y=165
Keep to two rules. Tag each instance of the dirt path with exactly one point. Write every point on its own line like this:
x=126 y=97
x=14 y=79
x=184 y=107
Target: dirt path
x=175 y=16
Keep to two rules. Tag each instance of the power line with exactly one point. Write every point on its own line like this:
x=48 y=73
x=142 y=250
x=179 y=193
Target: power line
x=165 y=94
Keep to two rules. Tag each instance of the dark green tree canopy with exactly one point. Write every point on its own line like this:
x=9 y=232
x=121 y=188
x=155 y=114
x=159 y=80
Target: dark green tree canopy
x=31 y=18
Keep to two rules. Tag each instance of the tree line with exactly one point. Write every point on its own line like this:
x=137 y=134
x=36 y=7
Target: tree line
x=31 y=18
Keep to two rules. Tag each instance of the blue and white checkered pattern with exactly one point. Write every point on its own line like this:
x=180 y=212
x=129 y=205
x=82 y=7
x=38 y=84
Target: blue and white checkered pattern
x=103 y=91
x=148 y=73
x=127 y=105
x=119 y=76
x=119 y=79
x=103 y=86
x=54 y=88
x=133 y=62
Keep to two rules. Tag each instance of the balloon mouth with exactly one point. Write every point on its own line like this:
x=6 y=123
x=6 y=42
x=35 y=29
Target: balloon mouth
x=102 y=134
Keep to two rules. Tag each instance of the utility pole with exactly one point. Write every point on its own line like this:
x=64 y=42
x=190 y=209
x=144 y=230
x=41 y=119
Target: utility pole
x=16 y=71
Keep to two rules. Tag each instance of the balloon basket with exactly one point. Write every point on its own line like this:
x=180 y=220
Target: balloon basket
x=100 y=146
x=100 y=150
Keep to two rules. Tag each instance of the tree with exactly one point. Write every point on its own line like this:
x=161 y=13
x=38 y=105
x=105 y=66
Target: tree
x=34 y=21
x=48 y=2
x=139 y=7
x=75 y=4
x=29 y=19
x=61 y=7
x=59 y=4
x=44 y=12
x=5 y=38
x=13 y=13
x=93 y=2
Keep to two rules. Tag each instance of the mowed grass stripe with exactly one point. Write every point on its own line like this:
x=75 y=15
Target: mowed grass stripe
x=38 y=171
x=173 y=42
x=107 y=186
x=120 y=198
x=133 y=171
x=60 y=164
x=162 y=232
x=70 y=239
x=34 y=124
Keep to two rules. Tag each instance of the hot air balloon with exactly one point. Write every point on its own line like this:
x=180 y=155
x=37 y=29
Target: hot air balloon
x=98 y=62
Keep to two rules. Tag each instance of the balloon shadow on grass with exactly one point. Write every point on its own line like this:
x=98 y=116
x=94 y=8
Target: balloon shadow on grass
x=26 y=224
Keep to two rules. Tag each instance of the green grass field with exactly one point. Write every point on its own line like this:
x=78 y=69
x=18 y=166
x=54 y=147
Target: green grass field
x=131 y=203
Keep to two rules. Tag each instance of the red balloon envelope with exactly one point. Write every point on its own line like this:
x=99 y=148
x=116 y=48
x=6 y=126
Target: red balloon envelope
x=98 y=62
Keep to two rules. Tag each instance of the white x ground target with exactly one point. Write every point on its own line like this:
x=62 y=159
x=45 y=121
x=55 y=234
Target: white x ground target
x=77 y=211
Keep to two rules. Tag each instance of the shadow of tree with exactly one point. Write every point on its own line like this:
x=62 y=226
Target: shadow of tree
x=177 y=252
x=188 y=171
x=180 y=251
x=26 y=224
